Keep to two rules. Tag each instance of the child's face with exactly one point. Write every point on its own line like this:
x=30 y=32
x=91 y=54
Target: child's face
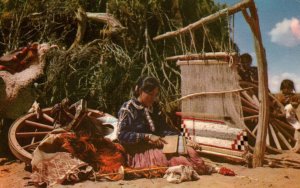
x=287 y=90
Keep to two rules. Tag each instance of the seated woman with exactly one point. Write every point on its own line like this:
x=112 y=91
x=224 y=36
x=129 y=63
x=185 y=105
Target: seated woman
x=142 y=128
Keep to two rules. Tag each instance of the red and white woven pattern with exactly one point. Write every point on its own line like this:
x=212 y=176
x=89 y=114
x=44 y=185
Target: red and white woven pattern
x=214 y=134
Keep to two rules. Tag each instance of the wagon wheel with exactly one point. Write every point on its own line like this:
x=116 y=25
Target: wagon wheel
x=28 y=131
x=280 y=134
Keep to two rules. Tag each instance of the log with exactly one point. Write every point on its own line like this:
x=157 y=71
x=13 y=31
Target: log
x=81 y=27
x=224 y=12
x=215 y=55
x=282 y=162
x=114 y=25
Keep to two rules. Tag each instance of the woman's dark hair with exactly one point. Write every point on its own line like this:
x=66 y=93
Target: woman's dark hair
x=246 y=58
x=287 y=83
x=146 y=84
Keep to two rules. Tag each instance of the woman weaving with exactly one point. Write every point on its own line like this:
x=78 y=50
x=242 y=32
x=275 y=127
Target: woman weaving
x=142 y=128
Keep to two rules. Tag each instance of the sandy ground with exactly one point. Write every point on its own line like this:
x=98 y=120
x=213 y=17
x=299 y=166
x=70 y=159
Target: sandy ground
x=13 y=175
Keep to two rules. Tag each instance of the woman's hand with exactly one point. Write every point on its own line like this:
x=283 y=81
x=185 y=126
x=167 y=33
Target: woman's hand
x=155 y=140
x=193 y=144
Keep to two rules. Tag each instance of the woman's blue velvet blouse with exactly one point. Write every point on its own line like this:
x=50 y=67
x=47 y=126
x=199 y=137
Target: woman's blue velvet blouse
x=133 y=124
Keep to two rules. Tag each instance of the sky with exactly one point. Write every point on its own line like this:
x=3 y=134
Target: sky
x=280 y=29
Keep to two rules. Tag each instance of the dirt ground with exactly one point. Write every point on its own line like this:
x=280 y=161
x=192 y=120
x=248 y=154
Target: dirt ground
x=13 y=175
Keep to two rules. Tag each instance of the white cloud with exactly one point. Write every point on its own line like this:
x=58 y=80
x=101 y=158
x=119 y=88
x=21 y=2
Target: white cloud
x=275 y=80
x=286 y=32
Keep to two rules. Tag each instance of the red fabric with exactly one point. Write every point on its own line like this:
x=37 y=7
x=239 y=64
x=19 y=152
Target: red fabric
x=102 y=154
x=226 y=172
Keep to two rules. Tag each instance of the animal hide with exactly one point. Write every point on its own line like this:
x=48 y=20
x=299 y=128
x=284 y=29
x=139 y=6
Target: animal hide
x=181 y=173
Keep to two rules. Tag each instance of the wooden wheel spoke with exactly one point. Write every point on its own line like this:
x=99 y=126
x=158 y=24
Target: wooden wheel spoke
x=250 y=117
x=38 y=125
x=48 y=118
x=274 y=136
x=249 y=104
x=282 y=138
x=281 y=129
x=283 y=124
x=247 y=97
x=33 y=138
x=268 y=138
x=255 y=129
x=33 y=145
x=31 y=134
x=250 y=110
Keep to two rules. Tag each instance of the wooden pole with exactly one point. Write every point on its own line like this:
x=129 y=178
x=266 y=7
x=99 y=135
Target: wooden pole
x=263 y=120
x=209 y=55
x=224 y=12
x=212 y=93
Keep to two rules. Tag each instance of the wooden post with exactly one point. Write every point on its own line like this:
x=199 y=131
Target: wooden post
x=263 y=122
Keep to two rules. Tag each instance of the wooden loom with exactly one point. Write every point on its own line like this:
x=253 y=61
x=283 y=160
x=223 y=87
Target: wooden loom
x=248 y=8
x=213 y=119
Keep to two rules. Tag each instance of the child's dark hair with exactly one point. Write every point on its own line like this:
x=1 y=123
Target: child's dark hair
x=146 y=84
x=287 y=83
x=246 y=58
